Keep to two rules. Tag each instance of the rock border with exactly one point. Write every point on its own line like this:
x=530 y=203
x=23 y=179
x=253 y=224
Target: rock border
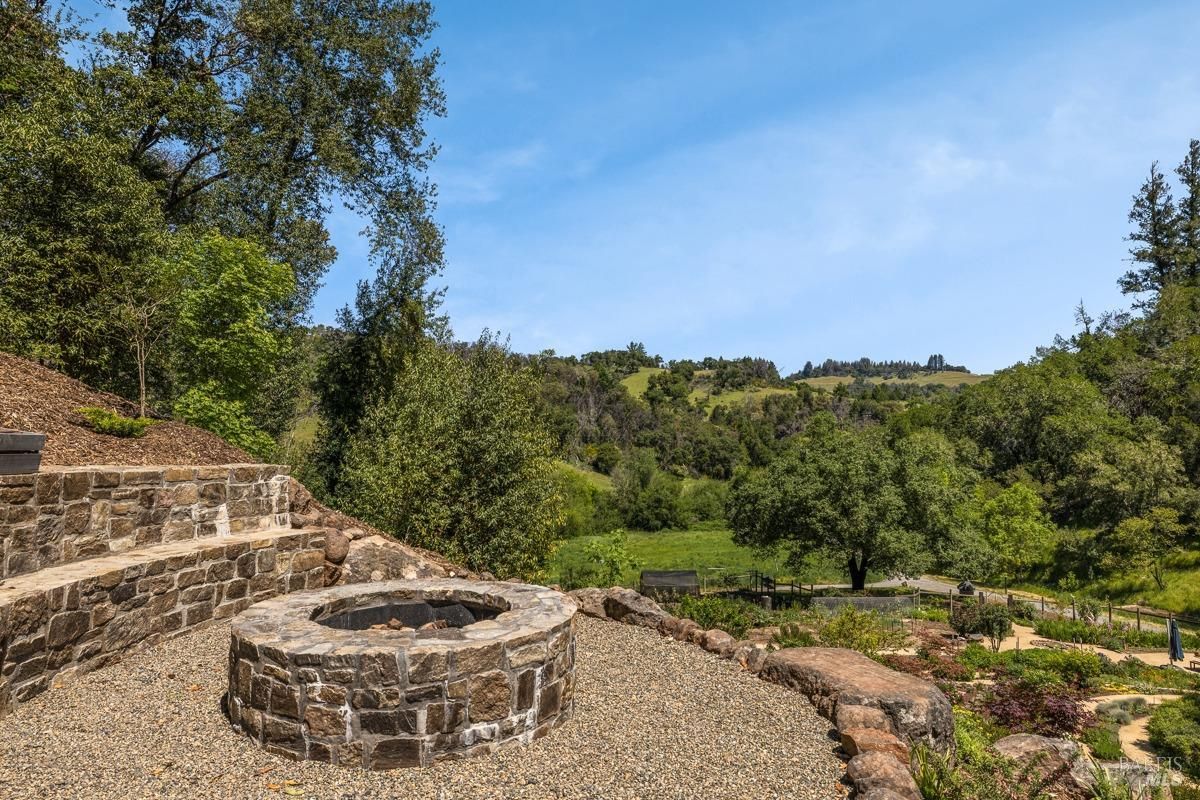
x=876 y=733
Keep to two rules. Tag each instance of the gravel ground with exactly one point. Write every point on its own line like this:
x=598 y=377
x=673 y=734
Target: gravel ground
x=653 y=719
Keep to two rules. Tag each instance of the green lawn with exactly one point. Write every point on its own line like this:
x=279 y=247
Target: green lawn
x=711 y=552
x=923 y=379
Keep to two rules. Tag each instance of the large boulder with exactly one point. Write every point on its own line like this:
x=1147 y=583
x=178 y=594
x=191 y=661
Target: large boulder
x=832 y=677
x=1062 y=764
x=378 y=558
x=590 y=602
x=626 y=605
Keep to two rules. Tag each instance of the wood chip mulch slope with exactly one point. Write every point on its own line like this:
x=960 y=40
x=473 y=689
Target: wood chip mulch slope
x=34 y=398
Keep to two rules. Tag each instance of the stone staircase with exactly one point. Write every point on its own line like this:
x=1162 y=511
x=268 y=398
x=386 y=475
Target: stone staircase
x=96 y=561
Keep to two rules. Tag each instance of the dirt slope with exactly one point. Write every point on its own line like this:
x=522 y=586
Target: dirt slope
x=34 y=398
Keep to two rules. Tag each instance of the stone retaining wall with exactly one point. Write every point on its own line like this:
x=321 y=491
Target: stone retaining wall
x=69 y=514
x=81 y=616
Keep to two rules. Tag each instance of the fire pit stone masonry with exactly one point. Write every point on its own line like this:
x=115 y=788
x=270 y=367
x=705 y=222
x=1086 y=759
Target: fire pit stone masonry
x=402 y=673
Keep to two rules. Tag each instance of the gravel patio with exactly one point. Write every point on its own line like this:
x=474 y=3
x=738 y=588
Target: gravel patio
x=654 y=719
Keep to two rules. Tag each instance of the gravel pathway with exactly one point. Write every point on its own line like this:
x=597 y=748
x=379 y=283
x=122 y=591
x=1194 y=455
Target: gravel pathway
x=653 y=719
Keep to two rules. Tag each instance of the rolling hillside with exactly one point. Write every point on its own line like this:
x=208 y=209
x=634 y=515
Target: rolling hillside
x=923 y=379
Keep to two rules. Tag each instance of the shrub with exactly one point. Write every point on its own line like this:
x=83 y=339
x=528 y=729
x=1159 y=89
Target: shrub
x=111 y=423
x=1131 y=673
x=610 y=558
x=1123 y=711
x=864 y=631
x=703 y=500
x=1104 y=741
x=606 y=458
x=989 y=619
x=735 y=617
x=1175 y=733
x=202 y=407
x=792 y=635
x=1022 y=611
x=1024 y=706
x=1037 y=665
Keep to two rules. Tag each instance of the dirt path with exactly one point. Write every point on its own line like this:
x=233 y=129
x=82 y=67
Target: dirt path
x=1135 y=741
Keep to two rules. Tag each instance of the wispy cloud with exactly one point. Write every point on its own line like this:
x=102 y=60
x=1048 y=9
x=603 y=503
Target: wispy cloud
x=967 y=212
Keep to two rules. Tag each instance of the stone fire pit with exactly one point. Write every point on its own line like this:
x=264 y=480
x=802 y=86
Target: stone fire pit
x=402 y=673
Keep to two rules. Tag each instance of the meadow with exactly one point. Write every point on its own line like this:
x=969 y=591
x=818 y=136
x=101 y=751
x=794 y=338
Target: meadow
x=709 y=550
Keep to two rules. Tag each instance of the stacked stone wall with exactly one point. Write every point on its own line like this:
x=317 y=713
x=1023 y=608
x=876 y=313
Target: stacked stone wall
x=82 y=616
x=69 y=514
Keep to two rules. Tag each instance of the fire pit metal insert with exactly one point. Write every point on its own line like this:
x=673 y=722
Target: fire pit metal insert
x=402 y=673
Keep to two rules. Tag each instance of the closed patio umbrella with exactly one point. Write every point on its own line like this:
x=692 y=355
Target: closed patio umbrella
x=1174 y=641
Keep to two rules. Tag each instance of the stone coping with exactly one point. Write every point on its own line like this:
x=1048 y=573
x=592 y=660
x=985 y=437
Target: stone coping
x=289 y=622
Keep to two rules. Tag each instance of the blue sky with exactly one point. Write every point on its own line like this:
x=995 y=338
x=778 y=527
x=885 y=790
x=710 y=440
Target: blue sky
x=793 y=180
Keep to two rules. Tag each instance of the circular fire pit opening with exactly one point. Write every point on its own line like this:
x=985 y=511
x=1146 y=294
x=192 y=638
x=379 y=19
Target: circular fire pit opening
x=402 y=673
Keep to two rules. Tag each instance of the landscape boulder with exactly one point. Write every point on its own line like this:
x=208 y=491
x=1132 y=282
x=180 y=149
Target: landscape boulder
x=376 y=558
x=872 y=740
x=590 y=602
x=1061 y=763
x=751 y=655
x=882 y=772
x=832 y=677
x=718 y=641
x=337 y=546
x=626 y=605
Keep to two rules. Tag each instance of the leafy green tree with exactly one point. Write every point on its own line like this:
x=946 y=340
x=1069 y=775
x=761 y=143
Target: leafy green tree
x=1119 y=478
x=648 y=498
x=1142 y=544
x=78 y=226
x=223 y=335
x=838 y=492
x=456 y=460
x=1014 y=523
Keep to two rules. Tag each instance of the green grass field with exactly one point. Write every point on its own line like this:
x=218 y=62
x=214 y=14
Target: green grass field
x=924 y=379
x=711 y=552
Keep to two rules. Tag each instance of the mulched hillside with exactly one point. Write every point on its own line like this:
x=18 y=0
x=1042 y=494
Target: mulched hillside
x=34 y=398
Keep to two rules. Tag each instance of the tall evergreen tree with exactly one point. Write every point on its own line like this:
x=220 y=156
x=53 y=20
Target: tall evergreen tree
x=1188 y=250
x=1155 y=236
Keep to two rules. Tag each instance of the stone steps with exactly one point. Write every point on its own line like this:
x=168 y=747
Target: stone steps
x=153 y=552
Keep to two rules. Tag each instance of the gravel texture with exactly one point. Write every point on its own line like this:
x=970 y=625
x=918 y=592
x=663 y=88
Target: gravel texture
x=653 y=719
